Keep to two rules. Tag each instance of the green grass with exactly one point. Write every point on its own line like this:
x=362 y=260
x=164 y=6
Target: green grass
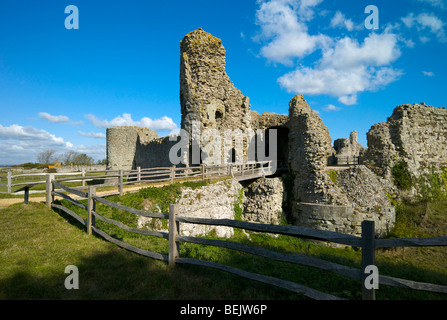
x=36 y=244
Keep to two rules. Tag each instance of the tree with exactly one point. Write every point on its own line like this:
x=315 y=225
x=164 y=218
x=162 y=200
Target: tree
x=46 y=156
x=68 y=157
x=83 y=159
x=102 y=162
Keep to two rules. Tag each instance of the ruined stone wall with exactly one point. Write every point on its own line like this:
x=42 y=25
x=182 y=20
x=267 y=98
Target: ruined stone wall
x=347 y=150
x=337 y=200
x=310 y=148
x=214 y=201
x=122 y=145
x=366 y=201
x=415 y=134
x=263 y=201
x=207 y=95
x=154 y=153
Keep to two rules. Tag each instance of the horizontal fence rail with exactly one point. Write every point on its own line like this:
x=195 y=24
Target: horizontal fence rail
x=367 y=243
x=120 y=178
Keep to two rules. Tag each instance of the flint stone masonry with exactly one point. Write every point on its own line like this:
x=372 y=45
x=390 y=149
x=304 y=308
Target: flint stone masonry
x=214 y=201
x=122 y=145
x=415 y=134
x=342 y=219
x=154 y=153
x=310 y=148
x=366 y=201
x=206 y=93
x=264 y=198
x=347 y=150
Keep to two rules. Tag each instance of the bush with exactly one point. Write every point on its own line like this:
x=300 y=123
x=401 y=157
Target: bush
x=433 y=186
x=401 y=175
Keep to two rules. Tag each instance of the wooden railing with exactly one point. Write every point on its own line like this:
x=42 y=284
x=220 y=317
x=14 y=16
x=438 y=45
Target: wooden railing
x=366 y=242
x=120 y=178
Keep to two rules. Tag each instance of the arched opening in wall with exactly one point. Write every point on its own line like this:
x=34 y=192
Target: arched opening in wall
x=231 y=157
x=218 y=115
x=196 y=154
x=282 y=146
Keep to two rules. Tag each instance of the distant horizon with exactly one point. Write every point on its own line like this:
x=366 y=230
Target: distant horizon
x=62 y=87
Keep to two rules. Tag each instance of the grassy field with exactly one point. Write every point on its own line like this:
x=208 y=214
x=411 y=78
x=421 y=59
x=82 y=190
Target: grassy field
x=36 y=244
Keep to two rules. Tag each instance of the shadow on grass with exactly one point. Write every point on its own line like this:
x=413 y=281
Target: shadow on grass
x=114 y=273
x=119 y=274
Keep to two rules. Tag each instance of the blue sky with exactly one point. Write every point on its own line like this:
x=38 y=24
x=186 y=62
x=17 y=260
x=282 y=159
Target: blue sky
x=60 y=89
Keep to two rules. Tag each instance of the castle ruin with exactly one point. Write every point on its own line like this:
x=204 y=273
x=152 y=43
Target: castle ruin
x=324 y=197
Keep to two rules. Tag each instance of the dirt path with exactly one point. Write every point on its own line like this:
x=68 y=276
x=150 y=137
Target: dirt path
x=10 y=201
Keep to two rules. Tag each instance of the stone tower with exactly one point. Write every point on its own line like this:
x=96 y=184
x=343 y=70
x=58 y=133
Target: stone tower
x=208 y=98
x=206 y=93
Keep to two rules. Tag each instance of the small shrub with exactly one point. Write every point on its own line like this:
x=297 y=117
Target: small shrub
x=401 y=175
x=433 y=186
x=333 y=175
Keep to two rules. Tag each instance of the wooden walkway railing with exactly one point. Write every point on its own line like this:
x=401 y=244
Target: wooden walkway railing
x=366 y=242
x=120 y=178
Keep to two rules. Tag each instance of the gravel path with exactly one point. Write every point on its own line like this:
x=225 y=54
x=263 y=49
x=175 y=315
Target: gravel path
x=7 y=202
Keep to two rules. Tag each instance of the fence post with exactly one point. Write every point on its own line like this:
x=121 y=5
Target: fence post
x=83 y=176
x=120 y=182
x=202 y=168
x=172 y=174
x=90 y=207
x=9 y=181
x=368 y=257
x=138 y=174
x=173 y=234
x=49 y=188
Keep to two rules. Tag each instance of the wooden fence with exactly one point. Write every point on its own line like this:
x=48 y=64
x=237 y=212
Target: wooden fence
x=120 y=178
x=366 y=242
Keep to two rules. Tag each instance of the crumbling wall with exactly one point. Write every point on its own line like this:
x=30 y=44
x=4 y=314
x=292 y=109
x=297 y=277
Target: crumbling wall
x=415 y=134
x=122 y=145
x=207 y=95
x=154 y=153
x=214 y=201
x=367 y=200
x=263 y=201
x=310 y=148
x=347 y=150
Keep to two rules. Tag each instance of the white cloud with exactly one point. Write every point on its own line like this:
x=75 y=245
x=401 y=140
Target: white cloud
x=340 y=21
x=436 y=3
x=20 y=144
x=164 y=123
x=58 y=119
x=282 y=25
x=331 y=107
x=347 y=69
x=346 y=66
x=428 y=73
x=425 y=21
x=29 y=136
x=95 y=135
x=348 y=100
x=53 y=119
